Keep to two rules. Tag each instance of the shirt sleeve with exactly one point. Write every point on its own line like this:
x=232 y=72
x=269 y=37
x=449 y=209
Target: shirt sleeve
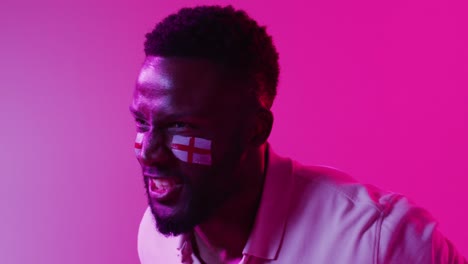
x=443 y=251
x=409 y=234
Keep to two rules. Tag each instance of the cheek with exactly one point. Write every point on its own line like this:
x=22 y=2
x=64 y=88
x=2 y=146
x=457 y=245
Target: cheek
x=227 y=152
x=204 y=180
x=227 y=137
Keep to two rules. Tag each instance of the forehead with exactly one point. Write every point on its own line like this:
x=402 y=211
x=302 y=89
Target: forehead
x=180 y=84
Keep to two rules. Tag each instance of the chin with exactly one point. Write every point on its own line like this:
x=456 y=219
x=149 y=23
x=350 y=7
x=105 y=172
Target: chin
x=181 y=219
x=175 y=219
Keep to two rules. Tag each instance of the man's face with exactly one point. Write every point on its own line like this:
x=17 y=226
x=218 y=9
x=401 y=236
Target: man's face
x=190 y=98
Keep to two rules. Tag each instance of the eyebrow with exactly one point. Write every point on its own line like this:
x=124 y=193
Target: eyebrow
x=135 y=112
x=198 y=118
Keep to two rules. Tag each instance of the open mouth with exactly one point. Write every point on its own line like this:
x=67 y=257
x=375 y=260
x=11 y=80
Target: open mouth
x=164 y=189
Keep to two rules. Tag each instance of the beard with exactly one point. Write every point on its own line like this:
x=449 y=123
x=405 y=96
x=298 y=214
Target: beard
x=195 y=205
x=183 y=219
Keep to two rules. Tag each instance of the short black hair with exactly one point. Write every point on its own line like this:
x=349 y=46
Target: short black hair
x=222 y=35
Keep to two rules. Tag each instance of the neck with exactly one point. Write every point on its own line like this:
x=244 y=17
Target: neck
x=227 y=231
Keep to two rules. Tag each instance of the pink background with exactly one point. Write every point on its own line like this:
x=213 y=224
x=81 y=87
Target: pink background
x=375 y=88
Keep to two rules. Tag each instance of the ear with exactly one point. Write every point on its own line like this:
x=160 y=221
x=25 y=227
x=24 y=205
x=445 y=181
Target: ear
x=263 y=124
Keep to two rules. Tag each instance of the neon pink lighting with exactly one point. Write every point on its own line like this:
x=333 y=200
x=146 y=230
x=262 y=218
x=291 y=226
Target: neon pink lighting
x=377 y=89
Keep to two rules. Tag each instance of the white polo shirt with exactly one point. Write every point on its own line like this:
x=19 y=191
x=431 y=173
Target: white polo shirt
x=318 y=215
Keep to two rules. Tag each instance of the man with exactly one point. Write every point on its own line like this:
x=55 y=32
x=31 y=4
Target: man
x=217 y=193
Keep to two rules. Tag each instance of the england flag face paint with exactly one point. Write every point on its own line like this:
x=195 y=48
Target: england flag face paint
x=192 y=149
x=138 y=143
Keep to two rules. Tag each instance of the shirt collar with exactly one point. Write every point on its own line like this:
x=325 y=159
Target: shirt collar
x=185 y=249
x=268 y=230
x=270 y=222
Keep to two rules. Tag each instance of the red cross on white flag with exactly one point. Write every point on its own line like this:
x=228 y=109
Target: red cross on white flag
x=138 y=143
x=192 y=149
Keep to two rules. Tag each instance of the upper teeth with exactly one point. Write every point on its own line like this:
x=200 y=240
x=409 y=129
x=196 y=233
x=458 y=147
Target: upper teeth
x=162 y=183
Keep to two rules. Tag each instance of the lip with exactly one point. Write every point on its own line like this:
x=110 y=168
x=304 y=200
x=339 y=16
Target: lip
x=178 y=180
x=168 y=197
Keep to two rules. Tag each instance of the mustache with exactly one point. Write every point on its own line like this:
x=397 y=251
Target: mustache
x=153 y=172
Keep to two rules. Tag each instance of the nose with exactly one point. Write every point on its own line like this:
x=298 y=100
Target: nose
x=154 y=150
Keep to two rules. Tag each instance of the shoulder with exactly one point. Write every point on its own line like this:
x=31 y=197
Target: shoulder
x=397 y=229
x=327 y=182
x=152 y=245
